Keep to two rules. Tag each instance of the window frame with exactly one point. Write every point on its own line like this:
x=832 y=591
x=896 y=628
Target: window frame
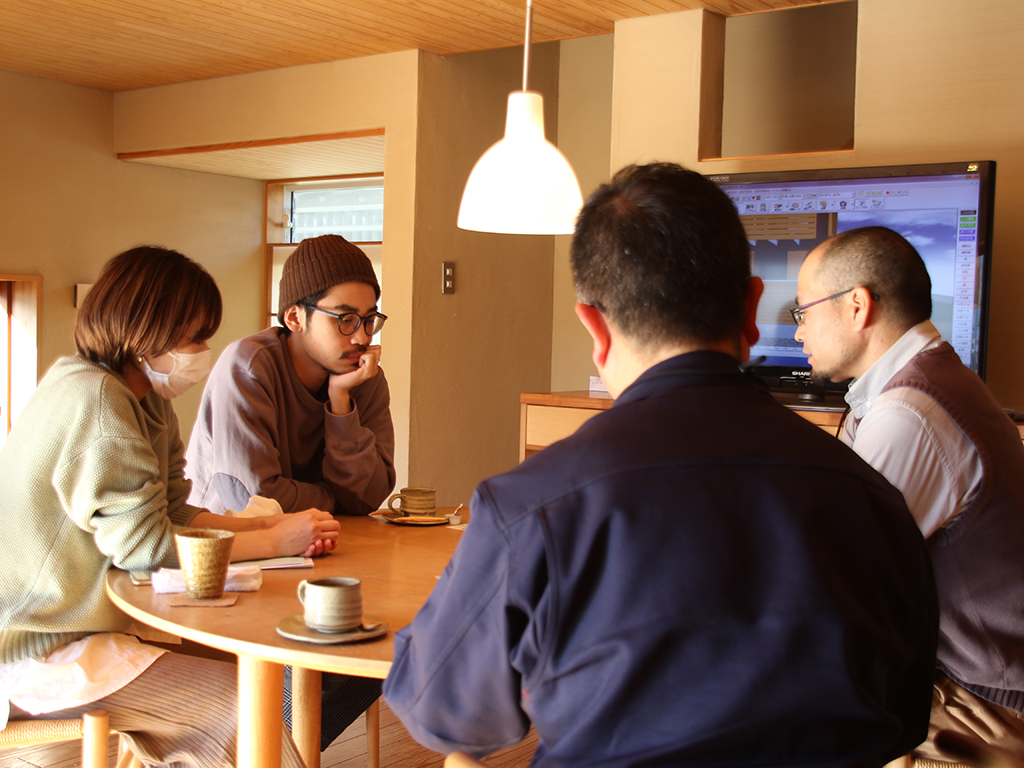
x=20 y=297
x=277 y=226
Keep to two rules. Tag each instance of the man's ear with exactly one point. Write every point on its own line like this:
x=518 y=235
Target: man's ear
x=597 y=327
x=293 y=318
x=863 y=309
x=755 y=289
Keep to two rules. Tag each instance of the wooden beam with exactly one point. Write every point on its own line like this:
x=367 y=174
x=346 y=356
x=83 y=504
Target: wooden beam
x=248 y=144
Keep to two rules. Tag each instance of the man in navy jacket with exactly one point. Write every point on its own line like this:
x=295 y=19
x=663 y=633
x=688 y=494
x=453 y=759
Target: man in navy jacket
x=697 y=576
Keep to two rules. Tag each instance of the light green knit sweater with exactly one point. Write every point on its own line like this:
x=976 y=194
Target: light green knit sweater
x=89 y=478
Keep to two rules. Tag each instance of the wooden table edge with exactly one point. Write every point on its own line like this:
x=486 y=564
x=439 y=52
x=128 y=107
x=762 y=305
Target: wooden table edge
x=295 y=656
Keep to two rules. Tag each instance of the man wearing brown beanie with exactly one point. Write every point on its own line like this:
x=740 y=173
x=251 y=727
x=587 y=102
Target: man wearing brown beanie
x=302 y=414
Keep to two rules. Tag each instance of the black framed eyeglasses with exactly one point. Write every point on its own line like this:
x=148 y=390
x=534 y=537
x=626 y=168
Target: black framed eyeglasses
x=798 y=312
x=349 y=322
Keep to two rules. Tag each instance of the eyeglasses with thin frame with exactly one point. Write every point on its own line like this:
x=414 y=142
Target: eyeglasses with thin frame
x=798 y=312
x=349 y=322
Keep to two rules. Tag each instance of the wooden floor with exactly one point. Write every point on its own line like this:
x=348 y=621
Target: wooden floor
x=397 y=750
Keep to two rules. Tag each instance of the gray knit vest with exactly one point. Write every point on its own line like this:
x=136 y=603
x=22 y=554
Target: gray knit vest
x=979 y=558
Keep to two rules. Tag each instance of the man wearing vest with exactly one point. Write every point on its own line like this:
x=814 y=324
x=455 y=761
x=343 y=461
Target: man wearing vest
x=929 y=424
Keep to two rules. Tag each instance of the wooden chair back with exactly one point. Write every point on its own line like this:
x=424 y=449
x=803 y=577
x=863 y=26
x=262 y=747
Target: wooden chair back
x=93 y=729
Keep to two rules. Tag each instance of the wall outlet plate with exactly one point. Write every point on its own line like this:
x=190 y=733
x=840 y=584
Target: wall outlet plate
x=447 y=277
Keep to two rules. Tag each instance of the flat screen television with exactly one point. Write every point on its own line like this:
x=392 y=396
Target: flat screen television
x=943 y=209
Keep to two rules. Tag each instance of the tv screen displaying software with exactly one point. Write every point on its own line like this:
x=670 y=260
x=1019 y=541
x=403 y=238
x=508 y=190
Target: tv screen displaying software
x=944 y=210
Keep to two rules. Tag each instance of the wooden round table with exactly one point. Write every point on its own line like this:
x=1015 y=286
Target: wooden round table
x=398 y=567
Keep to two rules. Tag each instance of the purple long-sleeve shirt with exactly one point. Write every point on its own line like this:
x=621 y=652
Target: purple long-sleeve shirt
x=260 y=432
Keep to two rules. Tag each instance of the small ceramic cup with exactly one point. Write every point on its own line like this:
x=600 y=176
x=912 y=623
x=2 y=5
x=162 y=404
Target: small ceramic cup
x=204 y=555
x=333 y=604
x=414 y=501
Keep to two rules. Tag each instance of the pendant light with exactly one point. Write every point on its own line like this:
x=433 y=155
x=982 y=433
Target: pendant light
x=522 y=185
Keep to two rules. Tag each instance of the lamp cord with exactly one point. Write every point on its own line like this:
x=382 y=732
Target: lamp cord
x=526 y=44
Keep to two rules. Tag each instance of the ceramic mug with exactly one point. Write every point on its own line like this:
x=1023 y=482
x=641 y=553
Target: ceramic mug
x=333 y=604
x=204 y=555
x=414 y=501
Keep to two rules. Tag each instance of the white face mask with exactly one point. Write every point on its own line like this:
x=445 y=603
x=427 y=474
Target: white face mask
x=187 y=371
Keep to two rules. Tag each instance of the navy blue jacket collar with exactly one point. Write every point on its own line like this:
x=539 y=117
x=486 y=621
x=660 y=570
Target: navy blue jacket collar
x=704 y=366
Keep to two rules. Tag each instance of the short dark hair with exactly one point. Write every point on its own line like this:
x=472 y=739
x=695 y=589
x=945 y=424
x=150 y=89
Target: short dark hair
x=661 y=251
x=884 y=262
x=146 y=301
x=307 y=303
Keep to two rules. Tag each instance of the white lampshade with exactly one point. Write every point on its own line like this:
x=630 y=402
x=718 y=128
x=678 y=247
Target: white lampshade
x=522 y=185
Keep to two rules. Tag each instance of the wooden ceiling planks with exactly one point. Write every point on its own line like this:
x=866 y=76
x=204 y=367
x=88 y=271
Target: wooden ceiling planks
x=118 y=45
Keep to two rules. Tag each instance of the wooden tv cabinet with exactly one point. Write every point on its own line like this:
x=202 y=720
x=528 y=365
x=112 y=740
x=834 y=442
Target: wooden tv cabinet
x=546 y=417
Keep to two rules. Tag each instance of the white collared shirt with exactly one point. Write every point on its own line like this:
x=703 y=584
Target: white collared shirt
x=909 y=438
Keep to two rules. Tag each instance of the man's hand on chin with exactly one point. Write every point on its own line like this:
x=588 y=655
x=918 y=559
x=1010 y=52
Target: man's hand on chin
x=340 y=384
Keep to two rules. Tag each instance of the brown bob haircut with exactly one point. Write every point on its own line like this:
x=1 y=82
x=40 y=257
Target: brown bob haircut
x=146 y=301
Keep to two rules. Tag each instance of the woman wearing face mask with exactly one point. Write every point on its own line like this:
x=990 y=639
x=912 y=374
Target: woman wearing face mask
x=92 y=476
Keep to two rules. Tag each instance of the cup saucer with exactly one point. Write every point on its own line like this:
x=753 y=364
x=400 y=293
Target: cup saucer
x=294 y=628
x=415 y=519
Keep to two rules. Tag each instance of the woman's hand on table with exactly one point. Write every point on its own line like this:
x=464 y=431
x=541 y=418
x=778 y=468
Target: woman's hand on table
x=309 y=533
x=320 y=547
x=325 y=545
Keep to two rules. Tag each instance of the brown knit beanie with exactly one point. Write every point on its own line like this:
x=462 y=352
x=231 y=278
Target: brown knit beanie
x=320 y=263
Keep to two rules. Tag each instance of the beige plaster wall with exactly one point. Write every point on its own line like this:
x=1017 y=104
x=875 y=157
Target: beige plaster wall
x=354 y=94
x=67 y=205
x=790 y=74
x=584 y=136
x=475 y=350
x=937 y=80
x=656 y=89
